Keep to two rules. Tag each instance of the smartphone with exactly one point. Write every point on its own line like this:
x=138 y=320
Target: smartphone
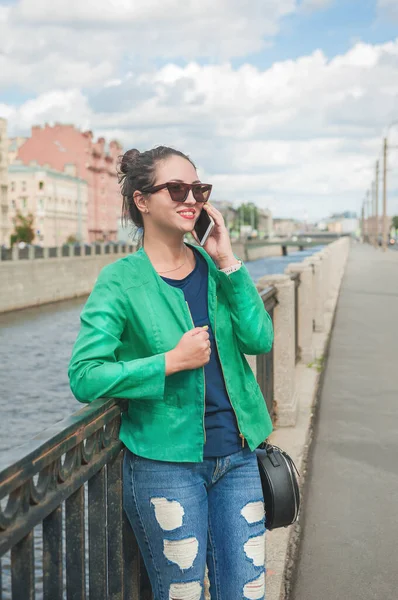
x=203 y=227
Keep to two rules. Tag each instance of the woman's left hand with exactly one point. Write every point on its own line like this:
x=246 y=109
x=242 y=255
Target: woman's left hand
x=218 y=244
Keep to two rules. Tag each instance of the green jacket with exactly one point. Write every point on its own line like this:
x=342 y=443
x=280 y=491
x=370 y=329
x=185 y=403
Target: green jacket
x=131 y=319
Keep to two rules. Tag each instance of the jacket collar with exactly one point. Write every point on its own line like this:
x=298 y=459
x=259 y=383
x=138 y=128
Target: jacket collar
x=145 y=271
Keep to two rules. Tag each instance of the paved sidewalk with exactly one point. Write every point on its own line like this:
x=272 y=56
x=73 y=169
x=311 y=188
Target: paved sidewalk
x=349 y=548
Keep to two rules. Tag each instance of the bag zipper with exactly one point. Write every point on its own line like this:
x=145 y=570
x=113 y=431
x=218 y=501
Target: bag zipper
x=204 y=380
x=222 y=369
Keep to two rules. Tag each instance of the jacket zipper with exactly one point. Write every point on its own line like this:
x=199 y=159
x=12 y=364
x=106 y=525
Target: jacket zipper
x=204 y=381
x=222 y=369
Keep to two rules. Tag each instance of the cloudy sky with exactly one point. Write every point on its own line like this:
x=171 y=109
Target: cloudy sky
x=280 y=102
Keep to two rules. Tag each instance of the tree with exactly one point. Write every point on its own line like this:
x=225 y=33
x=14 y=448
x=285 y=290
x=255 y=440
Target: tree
x=246 y=214
x=71 y=239
x=23 y=229
x=395 y=223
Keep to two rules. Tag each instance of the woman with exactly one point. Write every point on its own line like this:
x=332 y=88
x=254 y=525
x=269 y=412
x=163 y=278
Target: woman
x=168 y=327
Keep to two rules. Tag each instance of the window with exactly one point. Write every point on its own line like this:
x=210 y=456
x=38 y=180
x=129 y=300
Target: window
x=23 y=202
x=41 y=185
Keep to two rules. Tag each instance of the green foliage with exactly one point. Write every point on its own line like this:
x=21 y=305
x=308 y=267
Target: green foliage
x=395 y=222
x=71 y=239
x=247 y=214
x=317 y=364
x=23 y=229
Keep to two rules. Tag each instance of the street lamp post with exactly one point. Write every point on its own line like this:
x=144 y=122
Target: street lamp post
x=385 y=152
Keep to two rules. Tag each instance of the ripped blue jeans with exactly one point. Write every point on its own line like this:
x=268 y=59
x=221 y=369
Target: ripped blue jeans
x=187 y=515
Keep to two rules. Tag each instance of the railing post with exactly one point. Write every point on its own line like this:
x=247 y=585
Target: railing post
x=305 y=309
x=284 y=349
x=58 y=251
x=31 y=252
x=46 y=252
x=326 y=274
x=15 y=252
x=317 y=291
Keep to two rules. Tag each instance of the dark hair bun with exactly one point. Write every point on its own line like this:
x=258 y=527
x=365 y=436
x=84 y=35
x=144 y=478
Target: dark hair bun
x=129 y=159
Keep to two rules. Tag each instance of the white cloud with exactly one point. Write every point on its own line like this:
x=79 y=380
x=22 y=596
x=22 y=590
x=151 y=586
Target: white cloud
x=69 y=106
x=301 y=136
x=124 y=32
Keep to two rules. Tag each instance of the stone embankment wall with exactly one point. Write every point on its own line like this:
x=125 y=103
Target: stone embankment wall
x=26 y=283
x=32 y=282
x=296 y=379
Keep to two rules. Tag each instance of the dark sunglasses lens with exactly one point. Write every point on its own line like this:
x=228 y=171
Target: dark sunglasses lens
x=177 y=192
x=201 y=193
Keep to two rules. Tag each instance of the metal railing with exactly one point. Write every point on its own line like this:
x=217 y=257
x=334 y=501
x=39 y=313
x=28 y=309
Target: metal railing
x=67 y=250
x=63 y=531
x=85 y=545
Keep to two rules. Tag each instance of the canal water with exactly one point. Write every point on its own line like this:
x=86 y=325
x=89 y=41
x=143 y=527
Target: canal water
x=35 y=347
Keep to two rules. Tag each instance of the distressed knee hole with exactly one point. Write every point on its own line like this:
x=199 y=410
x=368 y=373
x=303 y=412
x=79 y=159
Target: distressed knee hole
x=168 y=513
x=255 y=590
x=255 y=550
x=206 y=583
x=185 y=591
x=253 y=512
x=181 y=552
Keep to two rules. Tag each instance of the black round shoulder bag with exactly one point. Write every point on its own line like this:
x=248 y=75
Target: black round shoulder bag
x=280 y=486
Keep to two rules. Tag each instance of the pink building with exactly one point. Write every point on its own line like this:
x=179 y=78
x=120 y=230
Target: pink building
x=61 y=145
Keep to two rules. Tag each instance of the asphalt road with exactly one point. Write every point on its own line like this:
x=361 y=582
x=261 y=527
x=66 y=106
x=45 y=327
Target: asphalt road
x=349 y=546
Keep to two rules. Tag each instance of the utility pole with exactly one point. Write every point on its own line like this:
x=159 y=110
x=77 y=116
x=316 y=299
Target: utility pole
x=367 y=217
x=363 y=222
x=385 y=195
x=377 y=203
x=373 y=213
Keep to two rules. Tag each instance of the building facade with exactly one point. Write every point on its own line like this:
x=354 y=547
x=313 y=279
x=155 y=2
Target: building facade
x=265 y=223
x=96 y=162
x=227 y=210
x=14 y=145
x=4 y=208
x=286 y=227
x=57 y=200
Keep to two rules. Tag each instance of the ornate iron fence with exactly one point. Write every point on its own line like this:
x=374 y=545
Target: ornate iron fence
x=86 y=549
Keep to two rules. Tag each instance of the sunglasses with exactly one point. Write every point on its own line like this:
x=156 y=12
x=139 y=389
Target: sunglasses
x=179 y=191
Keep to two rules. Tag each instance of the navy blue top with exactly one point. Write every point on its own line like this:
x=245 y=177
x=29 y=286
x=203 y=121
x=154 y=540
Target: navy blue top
x=222 y=434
